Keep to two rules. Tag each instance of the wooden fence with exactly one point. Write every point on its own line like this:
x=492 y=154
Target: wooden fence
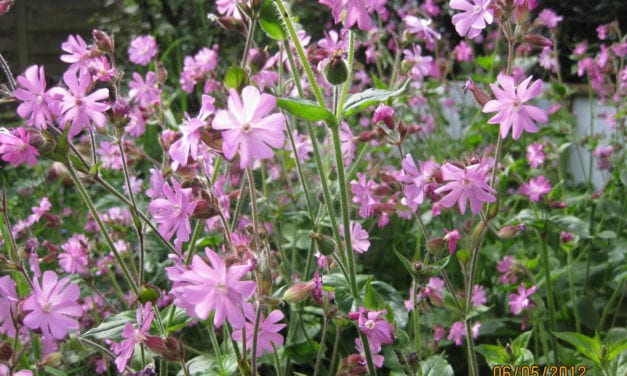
x=33 y=30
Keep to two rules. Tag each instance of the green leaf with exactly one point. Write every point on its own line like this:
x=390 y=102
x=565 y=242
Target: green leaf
x=485 y=62
x=372 y=300
x=436 y=365
x=179 y=320
x=493 y=354
x=589 y=347
x=409 y=266
x=301 y=353
x=111 y=328
x=522 y=340
x=606 y=235
x=394 y=302
x=207 y=365
x=571 y=224
x=270 y=22
x=235 y=78
x=53 y=371
x=308 y=110
x=369 y=97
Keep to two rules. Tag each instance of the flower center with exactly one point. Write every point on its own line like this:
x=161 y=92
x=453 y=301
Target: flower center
x=246 y=128
x=517 y=105
x=477 y=9
x=221 y=288
x=46 y=306
x=79 y=102
x=370 y=324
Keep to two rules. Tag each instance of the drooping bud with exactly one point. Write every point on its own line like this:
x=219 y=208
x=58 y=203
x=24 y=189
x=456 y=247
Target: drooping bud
x=204 y=210
x=103 y=41
x=148 y=294
x=481 y=97
x=386 y=115
x=6 y=351
x=298 y=292
x=538 y=40
x=170 y=348
x=435 y=246
x=507 y=232
x=336 y=71
x=368 y=136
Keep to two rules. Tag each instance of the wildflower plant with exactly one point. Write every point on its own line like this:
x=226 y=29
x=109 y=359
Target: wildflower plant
x=299 y=202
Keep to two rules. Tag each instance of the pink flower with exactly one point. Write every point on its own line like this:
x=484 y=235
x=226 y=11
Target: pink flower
x=363 y=196
x=53 y=306
x=188 y=145
x=536 y=188
x=535 y=154
x=512 y=110
x=32 y=92
x=359 y=237
x=377 y=329
x=39 y=211
x=421 y=27
x=463 y=52
x=433 y=290
x=520 y=301
x=377 y=359
x=110 y=155
x=304 y=147
x=142 y=49
x=173 y=212
x=8 y=306
x=74 y=260
x=465 y=184
x=478 y=296
x=452 y=237
x=420 y=65
x=16 y=149
x=124 y=350
x=475 y=17
x=549 y=18
x=268 y=331
x=248 y=128
x=419 y=182
x=78 y=54
x=205 y=288
x=78 y=108
x=146 y=93
x=356 y=12
x=458 y=332
x=228 y=8
x=508 y=269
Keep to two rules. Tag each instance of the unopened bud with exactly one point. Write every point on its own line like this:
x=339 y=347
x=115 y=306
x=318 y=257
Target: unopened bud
x=298 y=292
x=493 y=210
x=231 y=24
x=481 y=97
x=6 y=351
x=538 y=40
x=120 y=113
x=148 y=294
x=507 y=232
x=204 y=210
x=325 y=245
x=436 y=245
x=336 y=71
x=41 y=140
x=368 y=136
x=477 y=232
x=258 y=60
x=382 y=190
x=162 y=73
x=103 y=41
x=170 y=348
x=51 y=359
x=5 y=5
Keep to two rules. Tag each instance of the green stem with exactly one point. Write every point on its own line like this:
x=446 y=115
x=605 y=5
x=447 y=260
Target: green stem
x=301 y=176
x=216 y=349
x=334 y=356
x=253 y=355
x=549 y=293
x=192 y=243
x=325 y=323
x=6 y=227
x=277 y=361
x=617 y=292
x=101 y=226
x=347 y=84
x=571 y=283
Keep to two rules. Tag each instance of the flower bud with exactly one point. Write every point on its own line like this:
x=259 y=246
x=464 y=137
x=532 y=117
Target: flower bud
x=367 y=136
x=566 y=237
x=41 y=140
x=103 y=41
x=231 y=24
x=204 y=210
x=120 y=113
x=170 y=348
x=538 y=40
x=51 y=359
x=298 y=292
x=5 y=5
x=6 y=351
x=258 y=60
x=477 y=232
x=336 y=72
x=435 y=246
x=481 y=97
x=493 y=210
x=148 y=294
x=507 y=232
x=325 y=245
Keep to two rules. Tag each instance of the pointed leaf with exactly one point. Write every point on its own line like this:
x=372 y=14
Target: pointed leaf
x=308 y=110
x=436 y=366
x=409 y=266
x=589 y=347
x=111 y=328
x=270 y=22
x=369 y=97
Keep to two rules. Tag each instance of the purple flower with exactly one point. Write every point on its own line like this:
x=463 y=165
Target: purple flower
x=74 y=260
x=133 y=336
x=458 y=332
x=478 y=296
x=205 y=288
x=377 y=359
x=188 y=145
x=304 y=147
x=518 y=302
x=512 y=110
x=419 y=182
x=433 y=290
x=173 y=212
x=145 y=93
x=32 y=92
x=268 y=331
x=377 y=329
x=78 y=54
x=362 y=195
x=359 y=237
x=508 y=269
x=78 y=108
x=421 y=27
x=16 y=149
x=248 y=127
x=142 y=49
x=465 y=184
x=8 y=306
x=355 y=11
x=53 y=306
x=475 y=17
x=463 y=52
x=535 y=154
x=452 y=237
x=110 y=155
x=536 y=188
x=549 y=18
x=420 y=65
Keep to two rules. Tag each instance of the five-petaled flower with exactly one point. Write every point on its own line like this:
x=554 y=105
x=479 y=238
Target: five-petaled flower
x=465 y=184
x=267 y=331
x=475 y=16
x=248 y=126
x=510 y=103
